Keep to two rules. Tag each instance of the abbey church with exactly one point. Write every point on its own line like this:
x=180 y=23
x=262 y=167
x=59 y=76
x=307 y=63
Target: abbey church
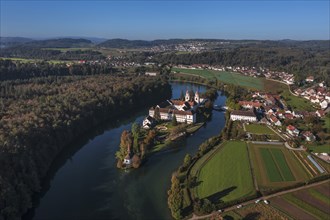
x=184 y=110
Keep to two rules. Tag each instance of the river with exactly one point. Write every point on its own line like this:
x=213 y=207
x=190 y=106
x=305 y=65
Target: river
x=87 y=185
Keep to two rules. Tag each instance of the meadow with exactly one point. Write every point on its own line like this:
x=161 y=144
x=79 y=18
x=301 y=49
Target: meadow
x=226 y=77
x=221 y=177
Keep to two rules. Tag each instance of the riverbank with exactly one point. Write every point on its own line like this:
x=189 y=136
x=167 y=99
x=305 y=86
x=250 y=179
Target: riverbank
x=47 y=143
x=88 y=184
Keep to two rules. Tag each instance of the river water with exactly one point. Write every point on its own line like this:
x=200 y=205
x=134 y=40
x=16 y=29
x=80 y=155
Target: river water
x=86 y=185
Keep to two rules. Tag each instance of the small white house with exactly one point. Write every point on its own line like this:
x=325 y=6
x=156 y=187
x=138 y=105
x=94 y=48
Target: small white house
x=127 y=160
x=292 y=130
x=308 y=136
x=324 y=104
x=151 y=74
x=148 y=122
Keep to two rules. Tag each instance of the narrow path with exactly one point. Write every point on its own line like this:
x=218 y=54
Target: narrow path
x=252 y=168
x=195 y=217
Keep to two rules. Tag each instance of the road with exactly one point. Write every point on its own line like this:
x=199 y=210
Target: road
x=195 y=217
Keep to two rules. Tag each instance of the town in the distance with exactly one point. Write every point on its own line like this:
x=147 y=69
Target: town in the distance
x=218 y=129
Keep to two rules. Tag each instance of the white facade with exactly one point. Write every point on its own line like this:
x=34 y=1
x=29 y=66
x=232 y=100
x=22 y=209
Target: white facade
x=234 y=116
x=181 y=116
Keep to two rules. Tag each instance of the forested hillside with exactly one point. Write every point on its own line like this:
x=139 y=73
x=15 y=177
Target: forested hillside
x=297 y=60
x=39 y=117
x=10 y=70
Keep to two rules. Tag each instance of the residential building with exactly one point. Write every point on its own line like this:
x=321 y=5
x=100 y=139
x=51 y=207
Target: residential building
x=237 y=115
x=308 y=136
x=292 y=130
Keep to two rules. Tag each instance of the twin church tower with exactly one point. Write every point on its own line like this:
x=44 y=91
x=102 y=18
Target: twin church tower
x=196 y=98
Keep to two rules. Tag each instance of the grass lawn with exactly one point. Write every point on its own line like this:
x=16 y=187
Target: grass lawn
x=297 y=103
x=258 y=129
x=226 y=77
x=325 y=148
x=275 y=166
x=226 y=175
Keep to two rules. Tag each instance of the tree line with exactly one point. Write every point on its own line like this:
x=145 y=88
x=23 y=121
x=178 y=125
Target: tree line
x=10 y=70
x=30 y=52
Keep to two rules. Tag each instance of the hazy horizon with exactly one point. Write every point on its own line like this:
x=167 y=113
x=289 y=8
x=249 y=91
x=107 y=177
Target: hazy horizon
x=150 y=20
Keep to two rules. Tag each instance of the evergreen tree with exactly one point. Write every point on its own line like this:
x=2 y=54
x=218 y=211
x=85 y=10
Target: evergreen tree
x=182 y=95
x=157 y=114
x=174 y=121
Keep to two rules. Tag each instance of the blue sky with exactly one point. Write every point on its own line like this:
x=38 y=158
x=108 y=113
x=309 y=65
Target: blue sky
x=300 y=20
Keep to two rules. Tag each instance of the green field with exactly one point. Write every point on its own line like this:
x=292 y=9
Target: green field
x=325 y=148
x=226 y=77
x=23 y=60
x=297 y=103
x=275 y=166
x=226 y=175
x=258 y=129
x=273 y=172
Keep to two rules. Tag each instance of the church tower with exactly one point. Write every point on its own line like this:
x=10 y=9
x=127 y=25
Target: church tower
x=187 y=97
x=197 y=99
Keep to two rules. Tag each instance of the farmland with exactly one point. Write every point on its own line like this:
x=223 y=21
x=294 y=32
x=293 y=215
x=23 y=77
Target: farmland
x=275 y=166
x=305 y=204
x=255 y=211
x=221 y=177
x=226 y=77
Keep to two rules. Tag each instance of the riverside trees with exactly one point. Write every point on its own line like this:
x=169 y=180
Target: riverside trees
x=39 y=117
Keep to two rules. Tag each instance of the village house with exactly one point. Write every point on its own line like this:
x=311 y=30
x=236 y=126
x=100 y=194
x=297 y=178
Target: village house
x=309 y=79
x=250 y=104
x=151 y=74
x=148 y=122
x=320 y=113
x=324 y=104
x=292 y=130
x=275 y=120
x=308 y=136
x=237 y=115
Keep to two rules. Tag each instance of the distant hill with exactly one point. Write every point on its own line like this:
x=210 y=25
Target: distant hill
x=60 y=43
x=13 y=41
x=123 y=43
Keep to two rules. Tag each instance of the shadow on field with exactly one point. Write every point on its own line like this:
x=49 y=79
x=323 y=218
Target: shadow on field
x=214 y=198
x=252 y=216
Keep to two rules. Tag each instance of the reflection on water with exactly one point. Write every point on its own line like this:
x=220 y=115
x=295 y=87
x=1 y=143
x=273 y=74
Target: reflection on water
x=89 y=186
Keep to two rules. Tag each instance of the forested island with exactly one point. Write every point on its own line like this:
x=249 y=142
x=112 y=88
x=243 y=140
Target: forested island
x=41 y=116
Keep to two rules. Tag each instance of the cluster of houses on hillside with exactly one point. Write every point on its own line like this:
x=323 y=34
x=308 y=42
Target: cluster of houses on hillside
x=247 y=71
x=269 y=109
x=317 y=94
x=184 y=110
